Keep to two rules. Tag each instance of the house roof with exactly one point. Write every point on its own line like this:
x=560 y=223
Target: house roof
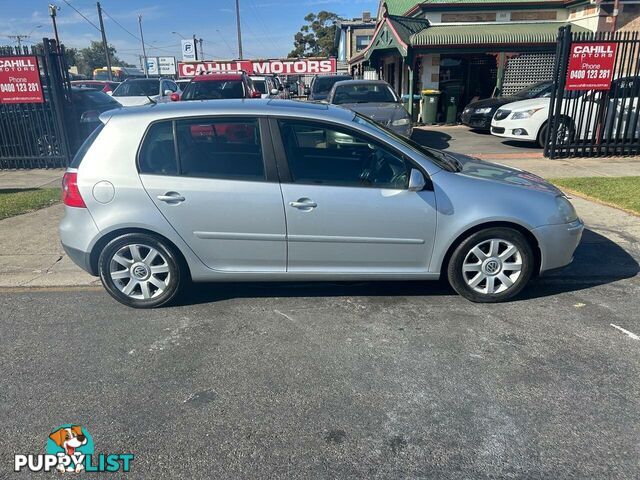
x=400 y=7
x=407 y=26
x=489 y=34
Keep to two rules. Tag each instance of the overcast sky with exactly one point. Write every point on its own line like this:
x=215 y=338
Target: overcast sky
x=268 y=26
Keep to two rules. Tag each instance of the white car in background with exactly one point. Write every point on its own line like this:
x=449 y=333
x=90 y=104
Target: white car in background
x=526 y=120
x=143 y=91
x=266 y=86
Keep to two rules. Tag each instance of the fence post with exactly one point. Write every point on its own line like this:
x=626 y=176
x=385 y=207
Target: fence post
x=557 y=94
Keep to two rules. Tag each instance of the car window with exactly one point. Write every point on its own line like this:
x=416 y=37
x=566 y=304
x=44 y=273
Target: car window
x=213 y=90
x=220 y=148
x=326 y=155
x=324 y=84
x=97 y=98
x=157 y=154
x=260 y=85
x=364 y=93
x=137 y=88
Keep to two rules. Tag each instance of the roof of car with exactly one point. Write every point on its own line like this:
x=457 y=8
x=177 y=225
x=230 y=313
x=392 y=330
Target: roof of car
x=361 y=82
x=249 y=107
x=210 y=77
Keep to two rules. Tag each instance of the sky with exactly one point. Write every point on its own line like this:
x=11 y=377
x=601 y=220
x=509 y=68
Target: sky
x=268 y=26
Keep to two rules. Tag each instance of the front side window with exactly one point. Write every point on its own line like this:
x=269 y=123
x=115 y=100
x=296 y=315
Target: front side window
x=157 y=154
x=220 y=148
x=321 y=154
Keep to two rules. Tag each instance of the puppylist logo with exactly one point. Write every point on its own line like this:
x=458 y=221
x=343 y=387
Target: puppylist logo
x=70 y=449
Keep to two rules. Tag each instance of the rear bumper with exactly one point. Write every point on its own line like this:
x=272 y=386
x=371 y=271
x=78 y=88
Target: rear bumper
x=77 y=232
x=558 y=243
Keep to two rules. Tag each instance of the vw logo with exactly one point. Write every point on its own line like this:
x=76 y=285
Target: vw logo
x=140 y=271
x=492 y=266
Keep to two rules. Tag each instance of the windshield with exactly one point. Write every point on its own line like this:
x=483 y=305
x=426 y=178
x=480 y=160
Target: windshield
x=364 y=93
x=213 y=90
x=138 y=88
x=439 y=158
x=323 y=85
x=97 y=98
x=534 y=91
x=260 y=86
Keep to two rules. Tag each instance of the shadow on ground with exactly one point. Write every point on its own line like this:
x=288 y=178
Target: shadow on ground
x=431 y=138
x=598 y=261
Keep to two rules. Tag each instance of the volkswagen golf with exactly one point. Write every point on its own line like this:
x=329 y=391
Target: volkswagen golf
x=277 y=190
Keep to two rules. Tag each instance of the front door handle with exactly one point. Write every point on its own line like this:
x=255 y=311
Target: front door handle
x=303 y=204
x=171 y=197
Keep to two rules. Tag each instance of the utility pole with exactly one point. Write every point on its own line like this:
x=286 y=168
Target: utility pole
x=53 y=11
x=195 y=46
x=104 y=42
x=202 y=57
x=144 y=51
x=239 y=33
x=18 y=39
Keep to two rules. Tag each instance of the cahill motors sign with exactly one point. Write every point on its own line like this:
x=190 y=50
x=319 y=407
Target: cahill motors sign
x=20 y=80
x=305 y=66
x=591 y=66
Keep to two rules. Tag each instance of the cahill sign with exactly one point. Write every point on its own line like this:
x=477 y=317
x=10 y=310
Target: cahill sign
x=591 y=66
x=305 y=66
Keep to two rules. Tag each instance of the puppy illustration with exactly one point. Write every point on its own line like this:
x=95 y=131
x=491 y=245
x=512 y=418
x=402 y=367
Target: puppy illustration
x=69 y=438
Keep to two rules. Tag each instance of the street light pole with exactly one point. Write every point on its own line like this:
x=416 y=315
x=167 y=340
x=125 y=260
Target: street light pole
x=53 y=12
x=239 y=33
x=104 y=43
x=202 y=57
x=195 y=46
x=144 y=51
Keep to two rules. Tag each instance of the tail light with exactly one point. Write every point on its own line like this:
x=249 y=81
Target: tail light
x=175 y=97
x=70 y=193
x=90 y=116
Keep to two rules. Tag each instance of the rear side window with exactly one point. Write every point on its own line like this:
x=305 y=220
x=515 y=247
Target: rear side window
x=158 y=154
x=84 y=148
x=220 y=148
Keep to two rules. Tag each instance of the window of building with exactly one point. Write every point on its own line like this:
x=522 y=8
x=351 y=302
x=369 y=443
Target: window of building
x=362 y=42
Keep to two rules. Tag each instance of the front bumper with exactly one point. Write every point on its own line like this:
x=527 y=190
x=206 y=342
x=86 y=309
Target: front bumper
x=558 y=243
x=477 y=121
x=507 y=129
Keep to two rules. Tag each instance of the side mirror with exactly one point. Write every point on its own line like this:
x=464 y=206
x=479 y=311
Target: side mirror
x=275 y=91
x=416 y=181
x=175 y=97
x=167 y=93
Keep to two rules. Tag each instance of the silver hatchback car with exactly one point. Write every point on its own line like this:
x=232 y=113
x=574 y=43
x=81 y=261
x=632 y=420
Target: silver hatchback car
x=237 y=190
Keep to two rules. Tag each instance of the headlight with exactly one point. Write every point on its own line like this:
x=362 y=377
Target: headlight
x=483 y=111
x=400 y=122
x=566 y=211
x=525 y=114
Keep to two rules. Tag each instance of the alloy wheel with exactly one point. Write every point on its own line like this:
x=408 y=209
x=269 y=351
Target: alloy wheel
x=140 y=271
x=492 y=266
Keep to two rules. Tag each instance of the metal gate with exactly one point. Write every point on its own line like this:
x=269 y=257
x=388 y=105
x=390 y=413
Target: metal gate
x=594 y=106
x=38 y=135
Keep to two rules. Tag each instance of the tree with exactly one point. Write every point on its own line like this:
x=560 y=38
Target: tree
x=92 y=57
x=317 y=39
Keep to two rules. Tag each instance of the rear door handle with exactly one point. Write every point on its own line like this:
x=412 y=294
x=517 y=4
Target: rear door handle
x=303 y=204
x=171 y=197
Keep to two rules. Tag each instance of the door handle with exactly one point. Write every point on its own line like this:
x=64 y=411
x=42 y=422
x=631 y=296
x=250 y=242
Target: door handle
x=171 y=197
x=304 y=204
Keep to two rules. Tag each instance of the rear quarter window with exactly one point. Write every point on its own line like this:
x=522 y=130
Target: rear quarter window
x=157 y=154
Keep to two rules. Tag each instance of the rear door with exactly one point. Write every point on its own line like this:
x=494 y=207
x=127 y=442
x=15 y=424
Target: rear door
x=216 y=185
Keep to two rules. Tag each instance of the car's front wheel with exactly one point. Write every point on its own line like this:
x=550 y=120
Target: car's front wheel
x=140 y=271
x=492 y=265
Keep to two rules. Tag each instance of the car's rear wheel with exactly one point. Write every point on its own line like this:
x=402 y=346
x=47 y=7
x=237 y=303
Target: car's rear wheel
x=492 y=265
x=140 y=270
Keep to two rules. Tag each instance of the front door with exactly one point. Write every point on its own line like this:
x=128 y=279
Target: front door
x=216 y=193
x=347 y=205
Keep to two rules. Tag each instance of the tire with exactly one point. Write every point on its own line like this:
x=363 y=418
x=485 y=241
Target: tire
x=146 y=260
x=477 y=273
x=542 y=135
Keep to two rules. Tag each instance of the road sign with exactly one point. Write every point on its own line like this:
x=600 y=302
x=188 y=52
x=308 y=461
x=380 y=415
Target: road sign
x=591 y=66
x=152 y=66
x=20 y=80
x=188 y=50
x=167 y=65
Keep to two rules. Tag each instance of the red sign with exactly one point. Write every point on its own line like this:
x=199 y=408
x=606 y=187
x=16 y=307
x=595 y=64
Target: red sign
x=304 y=66
x=20 y=80
x=591 y=66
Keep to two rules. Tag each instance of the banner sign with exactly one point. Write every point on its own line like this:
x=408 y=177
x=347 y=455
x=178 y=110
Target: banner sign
x=305 y=66
x=152 y=65
x=20 y=80
x=167 y=65
x=188 y=50
x=591 y=66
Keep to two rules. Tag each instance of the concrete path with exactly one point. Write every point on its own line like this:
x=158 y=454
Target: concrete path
x=35 y=178
x=31 y=255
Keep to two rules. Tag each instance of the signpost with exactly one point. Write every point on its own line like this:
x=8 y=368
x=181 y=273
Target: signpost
x=591 y=66
x=305 y=66
x=188 y=50
x=20 y=80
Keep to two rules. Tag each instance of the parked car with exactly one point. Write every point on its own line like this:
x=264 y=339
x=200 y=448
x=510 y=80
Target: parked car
x=106 y=87
x=141 y=91
x=265 y=85
x=321 y=85
x=171 y=193
x=88 y=105
x=182 y=83
x=216 y=86
x=375 y=99
x=526 y=120
x=478 y=115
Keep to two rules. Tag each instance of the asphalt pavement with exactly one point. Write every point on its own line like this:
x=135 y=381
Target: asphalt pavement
x=340 y=380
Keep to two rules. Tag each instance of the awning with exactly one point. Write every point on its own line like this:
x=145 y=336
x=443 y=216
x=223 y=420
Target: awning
x=526 y=33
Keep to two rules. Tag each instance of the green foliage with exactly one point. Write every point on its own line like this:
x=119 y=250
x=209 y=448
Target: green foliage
x=92 y=57
x=616 y=191
x=316 y=39
x=16 y=202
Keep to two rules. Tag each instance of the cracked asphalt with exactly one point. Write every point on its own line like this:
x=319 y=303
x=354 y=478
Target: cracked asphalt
x=341 y=380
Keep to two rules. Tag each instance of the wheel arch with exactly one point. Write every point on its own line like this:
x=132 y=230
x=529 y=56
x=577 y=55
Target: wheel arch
x=531 y=238
x=105 y=239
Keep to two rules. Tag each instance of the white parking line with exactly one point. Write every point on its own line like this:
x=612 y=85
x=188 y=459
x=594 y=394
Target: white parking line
x=626 y=332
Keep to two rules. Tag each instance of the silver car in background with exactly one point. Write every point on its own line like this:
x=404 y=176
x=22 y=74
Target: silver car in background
x=375 y=99
x=265 y=190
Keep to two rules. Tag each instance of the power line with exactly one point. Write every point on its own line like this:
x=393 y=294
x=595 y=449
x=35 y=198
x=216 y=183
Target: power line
x=80 y=13
x=135 y=36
